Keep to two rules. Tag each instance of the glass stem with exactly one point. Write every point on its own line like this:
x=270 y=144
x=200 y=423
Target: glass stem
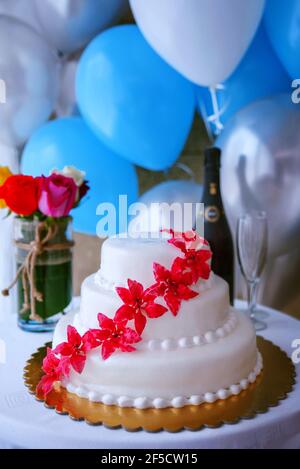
x=252 y=296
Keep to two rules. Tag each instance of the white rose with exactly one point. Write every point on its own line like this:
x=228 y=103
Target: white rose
x=71 y=172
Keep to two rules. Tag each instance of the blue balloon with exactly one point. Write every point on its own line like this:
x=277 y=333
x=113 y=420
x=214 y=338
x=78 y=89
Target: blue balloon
x=282 y=20
x=137 y=104
x=69 y=141
x=259 y=75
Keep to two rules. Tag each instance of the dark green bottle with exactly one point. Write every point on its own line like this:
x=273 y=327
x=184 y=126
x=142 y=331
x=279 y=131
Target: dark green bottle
x=216 y=227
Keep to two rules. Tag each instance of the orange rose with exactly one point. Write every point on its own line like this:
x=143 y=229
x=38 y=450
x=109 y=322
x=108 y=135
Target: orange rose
x=5 y=173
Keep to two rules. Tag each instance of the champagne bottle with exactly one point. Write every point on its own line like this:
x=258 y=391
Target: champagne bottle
x=216 y=228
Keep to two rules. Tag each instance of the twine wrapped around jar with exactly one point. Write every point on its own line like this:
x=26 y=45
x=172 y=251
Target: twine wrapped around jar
x=35 y=248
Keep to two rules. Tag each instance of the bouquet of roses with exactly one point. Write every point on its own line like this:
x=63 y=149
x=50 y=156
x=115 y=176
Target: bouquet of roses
x=42 y=206
x=42 y=197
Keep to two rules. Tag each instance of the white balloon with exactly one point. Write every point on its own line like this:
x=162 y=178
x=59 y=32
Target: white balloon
x=22 y=10
x=279 y=286
x=203 y=39
x=155 y=204
x=8 y=157
x=66 y=101
x=28 y=79
x=70 y=24
x=280 y=282
x=7 y=267
x=261 y=168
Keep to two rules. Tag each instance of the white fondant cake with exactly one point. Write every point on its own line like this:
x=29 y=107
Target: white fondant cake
x=204 y=353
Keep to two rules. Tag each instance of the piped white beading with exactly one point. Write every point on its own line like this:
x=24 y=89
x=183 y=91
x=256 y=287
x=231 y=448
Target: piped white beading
x=191 y=341
x=173 y=343
x=176 y=401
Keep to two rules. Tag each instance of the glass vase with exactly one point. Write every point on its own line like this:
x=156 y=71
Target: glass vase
x=44 y=262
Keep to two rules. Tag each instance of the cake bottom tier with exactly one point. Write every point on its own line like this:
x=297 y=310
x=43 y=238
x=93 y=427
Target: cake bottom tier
x=175 y=378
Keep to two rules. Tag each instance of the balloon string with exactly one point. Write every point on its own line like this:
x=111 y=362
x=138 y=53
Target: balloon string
x=186 y=169
x=215 y=117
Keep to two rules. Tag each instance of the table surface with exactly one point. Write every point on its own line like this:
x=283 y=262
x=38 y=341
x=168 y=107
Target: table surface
x=26 y=423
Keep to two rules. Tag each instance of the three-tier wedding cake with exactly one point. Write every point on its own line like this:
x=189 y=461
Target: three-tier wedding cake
x=166 y=334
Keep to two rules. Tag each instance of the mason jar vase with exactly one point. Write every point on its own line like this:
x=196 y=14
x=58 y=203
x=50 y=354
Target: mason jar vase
x=52 y=272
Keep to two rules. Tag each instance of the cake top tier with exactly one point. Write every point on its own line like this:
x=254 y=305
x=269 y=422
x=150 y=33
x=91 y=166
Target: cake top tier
x=132 y=258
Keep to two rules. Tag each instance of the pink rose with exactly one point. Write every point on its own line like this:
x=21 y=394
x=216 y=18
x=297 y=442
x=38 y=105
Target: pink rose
x=57 y=195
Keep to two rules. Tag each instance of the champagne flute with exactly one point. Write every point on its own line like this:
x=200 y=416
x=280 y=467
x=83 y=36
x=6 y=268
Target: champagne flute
x=252 y=240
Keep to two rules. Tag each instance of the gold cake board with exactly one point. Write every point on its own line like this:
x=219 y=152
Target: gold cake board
x=272 y=385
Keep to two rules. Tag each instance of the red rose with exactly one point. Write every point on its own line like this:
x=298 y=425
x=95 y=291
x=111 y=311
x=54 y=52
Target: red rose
x=20 y=194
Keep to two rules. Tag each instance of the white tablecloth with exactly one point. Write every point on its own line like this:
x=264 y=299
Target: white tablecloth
x=26 y=423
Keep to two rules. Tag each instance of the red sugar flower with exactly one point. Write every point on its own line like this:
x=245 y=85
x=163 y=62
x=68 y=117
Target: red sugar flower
x=194 y=261
x=54 y=369
x=189 y=239
x=173 y=285
x=114 y=335
x=138 y=303
x=186 y=236
x=75 y=349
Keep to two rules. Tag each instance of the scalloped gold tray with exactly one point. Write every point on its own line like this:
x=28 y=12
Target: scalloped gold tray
x=272 y=385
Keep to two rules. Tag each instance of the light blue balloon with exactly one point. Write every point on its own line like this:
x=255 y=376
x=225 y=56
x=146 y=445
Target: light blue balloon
x=137 y=104
x=259 y=75
x=69 y=141
x=282 y=20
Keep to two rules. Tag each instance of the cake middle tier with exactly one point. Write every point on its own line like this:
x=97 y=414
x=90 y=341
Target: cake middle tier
x=205 y=315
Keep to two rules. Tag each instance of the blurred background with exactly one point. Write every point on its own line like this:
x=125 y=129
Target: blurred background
x=133 y=92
